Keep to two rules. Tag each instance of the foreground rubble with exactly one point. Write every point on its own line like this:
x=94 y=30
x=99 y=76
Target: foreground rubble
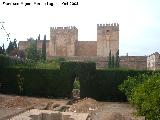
x=18 y=107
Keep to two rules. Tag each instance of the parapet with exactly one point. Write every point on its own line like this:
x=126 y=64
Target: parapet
x=113 y=26
x=68 y=28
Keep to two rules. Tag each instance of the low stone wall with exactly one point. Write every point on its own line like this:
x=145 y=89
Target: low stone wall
x=133 y=62
x=126 y=62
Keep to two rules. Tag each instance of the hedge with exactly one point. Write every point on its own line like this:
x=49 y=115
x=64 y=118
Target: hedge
x=36 y=82
x=103 y=85
x=85 y=71
x=97 y=84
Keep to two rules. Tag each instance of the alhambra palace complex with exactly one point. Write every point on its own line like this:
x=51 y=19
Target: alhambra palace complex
x=64 y=43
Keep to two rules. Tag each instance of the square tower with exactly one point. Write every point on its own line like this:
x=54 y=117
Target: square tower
x=107 y=39
x=63 y=41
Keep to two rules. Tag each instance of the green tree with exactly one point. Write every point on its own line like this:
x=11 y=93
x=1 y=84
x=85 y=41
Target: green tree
x=3 y=50
x=12 y=48
x=117 y=59
x=109 y=60
x=32 y=52
x=44 y=48
x=112 y=62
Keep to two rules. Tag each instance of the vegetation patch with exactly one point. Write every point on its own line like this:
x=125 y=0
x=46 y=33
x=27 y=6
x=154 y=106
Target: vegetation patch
x=144 y=93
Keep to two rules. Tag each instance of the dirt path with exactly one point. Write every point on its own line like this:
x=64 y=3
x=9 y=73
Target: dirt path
x=115 y=111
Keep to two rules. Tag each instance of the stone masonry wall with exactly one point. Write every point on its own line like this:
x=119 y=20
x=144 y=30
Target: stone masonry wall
x=86 y=48
x=126 y=62
x=133 y=62
x=24 y=44
x=63 y=41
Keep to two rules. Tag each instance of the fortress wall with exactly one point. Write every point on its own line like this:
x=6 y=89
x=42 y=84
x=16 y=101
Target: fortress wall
x=24 y=44
x=86 y=48
x=133 y=62
x=126 y=62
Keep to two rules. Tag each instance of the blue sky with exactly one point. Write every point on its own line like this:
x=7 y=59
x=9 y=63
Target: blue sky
x=139 y=21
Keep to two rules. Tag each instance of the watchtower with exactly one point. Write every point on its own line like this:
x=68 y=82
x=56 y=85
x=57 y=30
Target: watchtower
x=107 y=39
x=63 y=41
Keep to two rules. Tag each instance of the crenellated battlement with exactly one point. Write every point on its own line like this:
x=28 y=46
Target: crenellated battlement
x=107 y=25
x=113 y=26
x=63 y=28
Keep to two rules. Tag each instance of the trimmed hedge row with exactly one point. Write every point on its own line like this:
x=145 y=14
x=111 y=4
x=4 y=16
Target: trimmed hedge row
x=98 y=84
x=35 y=82
x=103 y=84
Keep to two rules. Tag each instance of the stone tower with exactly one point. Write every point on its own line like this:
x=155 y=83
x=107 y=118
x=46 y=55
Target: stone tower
x=107 y=39
x=63 y=41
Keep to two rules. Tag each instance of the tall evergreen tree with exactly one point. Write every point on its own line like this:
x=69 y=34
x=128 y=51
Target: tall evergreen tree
x=117 y=59
x=109 y=60
x=36 y=53
x=3 y=49
x=39 y=37
x=15 y=43
x=44 y=48
x=112 y=62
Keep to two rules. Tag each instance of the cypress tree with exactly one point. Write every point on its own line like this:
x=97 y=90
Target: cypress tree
x=39 y=37
x=36 y=51
x=44 y=48
x=112 y=62
x=117 y=59
x=3 y=49
x=109 y=60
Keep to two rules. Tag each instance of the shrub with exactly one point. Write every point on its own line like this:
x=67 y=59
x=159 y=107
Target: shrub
x=58 y=60
x=129 y=84
x=143 y=92
x=146 y=97
x=76 y=84
x=6 y=61
x=47 y=65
